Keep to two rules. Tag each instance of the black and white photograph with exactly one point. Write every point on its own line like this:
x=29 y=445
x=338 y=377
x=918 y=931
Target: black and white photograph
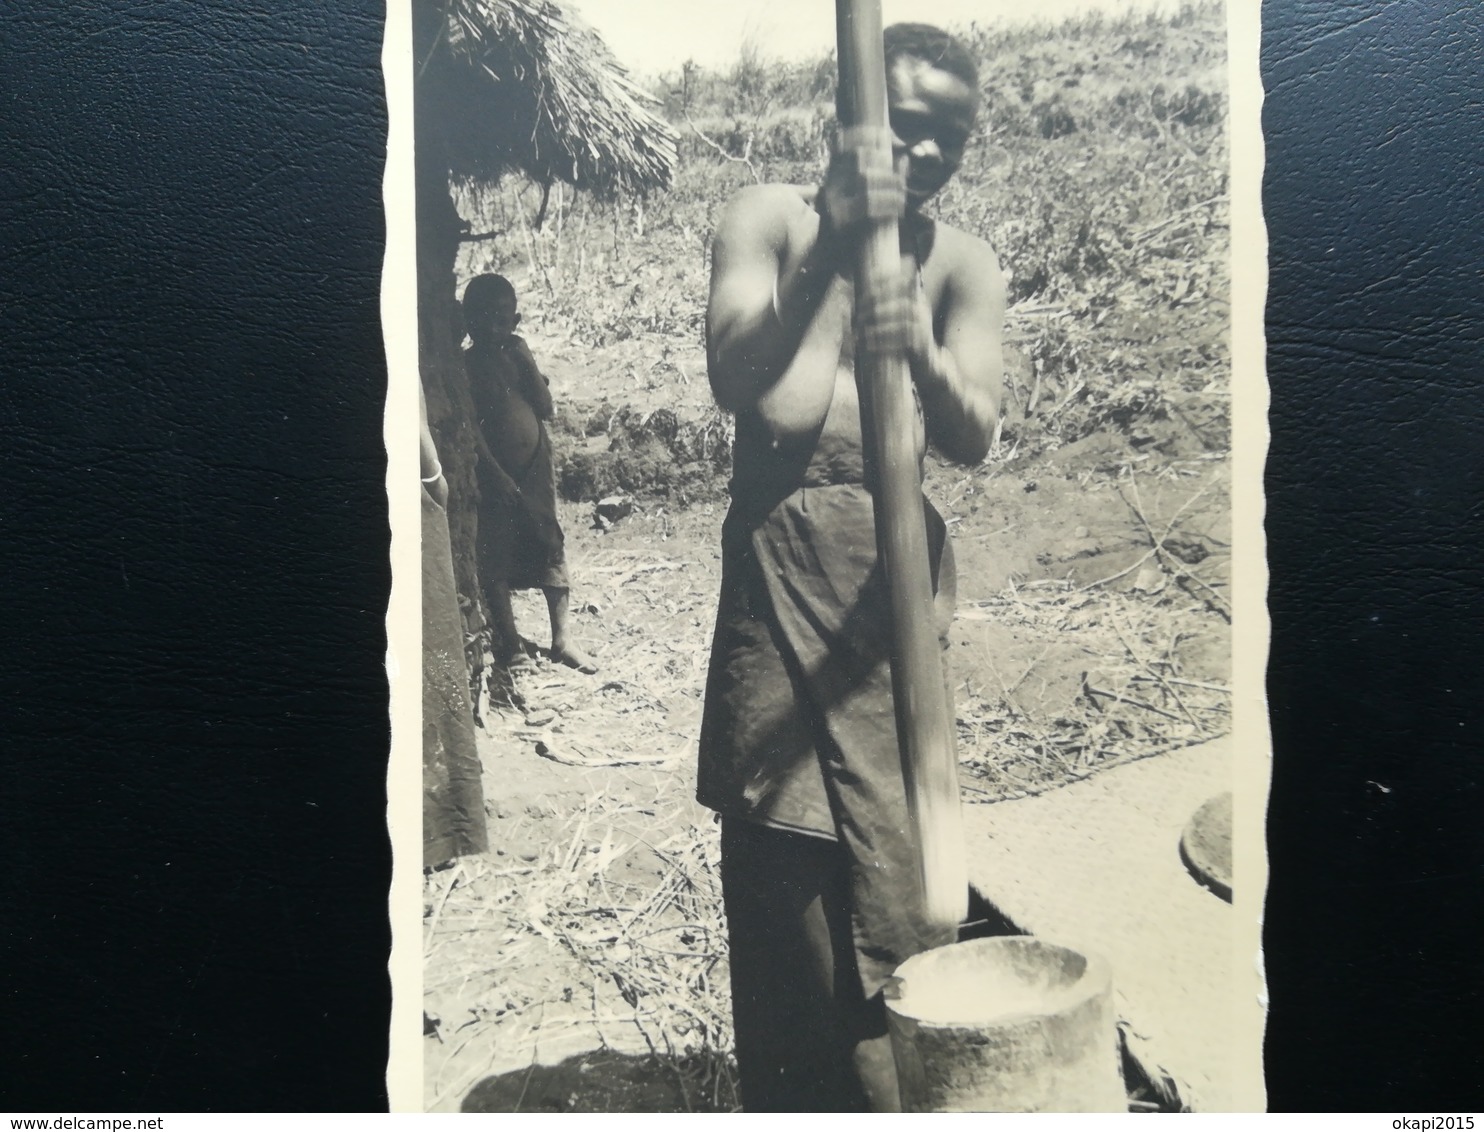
x=466 y=653
x=833 y=609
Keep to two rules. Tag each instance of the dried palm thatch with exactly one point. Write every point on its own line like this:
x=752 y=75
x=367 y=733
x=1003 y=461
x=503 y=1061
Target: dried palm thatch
x=523 y=85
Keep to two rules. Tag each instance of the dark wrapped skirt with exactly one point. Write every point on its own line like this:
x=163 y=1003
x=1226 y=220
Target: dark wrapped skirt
x=453 y=798
x=799 y=731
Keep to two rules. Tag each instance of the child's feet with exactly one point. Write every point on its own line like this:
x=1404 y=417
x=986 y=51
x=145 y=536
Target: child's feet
x=573 y=657
x=516 y=662
x=522 y=657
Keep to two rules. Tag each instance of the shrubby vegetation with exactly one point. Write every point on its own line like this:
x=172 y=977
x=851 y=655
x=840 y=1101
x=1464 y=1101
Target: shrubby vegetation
x=1099 y=175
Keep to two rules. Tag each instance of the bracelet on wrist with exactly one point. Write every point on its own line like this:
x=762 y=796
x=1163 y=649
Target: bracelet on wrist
x=436 y=476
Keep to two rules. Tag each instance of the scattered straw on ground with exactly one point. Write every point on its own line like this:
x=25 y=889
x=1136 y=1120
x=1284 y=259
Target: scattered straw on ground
x=1135 y=701
x=612 y=932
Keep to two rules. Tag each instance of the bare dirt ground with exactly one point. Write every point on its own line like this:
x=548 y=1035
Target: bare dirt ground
x=1092 y=630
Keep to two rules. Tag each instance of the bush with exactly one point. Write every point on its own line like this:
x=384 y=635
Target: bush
x=651 y=455
x=1099 y=176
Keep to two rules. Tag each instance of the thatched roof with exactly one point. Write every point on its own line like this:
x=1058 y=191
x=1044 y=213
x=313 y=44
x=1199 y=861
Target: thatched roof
x=525 y=85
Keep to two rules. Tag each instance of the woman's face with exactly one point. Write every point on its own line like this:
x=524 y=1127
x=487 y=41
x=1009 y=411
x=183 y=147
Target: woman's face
x=931 y=112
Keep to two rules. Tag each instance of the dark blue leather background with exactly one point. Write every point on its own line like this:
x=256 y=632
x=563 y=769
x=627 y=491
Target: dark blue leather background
x=194 y=531
x=1374 y=121
x=193 y=542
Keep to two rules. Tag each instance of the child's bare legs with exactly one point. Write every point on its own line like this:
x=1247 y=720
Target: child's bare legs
x=563 y=650
x=505 y=640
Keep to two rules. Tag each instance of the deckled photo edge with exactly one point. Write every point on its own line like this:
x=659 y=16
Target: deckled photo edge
x=404 y=610
x=1250 y=622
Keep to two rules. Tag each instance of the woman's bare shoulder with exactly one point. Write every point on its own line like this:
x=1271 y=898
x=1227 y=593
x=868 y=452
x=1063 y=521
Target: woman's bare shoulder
x=967 y=263
x=767 y=208
x=964 y=249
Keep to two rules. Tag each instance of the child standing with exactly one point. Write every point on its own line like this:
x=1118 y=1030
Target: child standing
x=520 y=540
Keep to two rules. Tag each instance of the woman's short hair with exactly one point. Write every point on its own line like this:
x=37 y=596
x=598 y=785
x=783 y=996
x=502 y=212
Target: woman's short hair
x=932 y=45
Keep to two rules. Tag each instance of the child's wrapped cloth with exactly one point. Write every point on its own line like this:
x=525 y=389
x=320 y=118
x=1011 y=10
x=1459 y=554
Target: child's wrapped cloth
x=520 y=539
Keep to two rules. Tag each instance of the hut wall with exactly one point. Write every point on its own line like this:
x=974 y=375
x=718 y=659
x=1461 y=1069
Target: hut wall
x=440 y=322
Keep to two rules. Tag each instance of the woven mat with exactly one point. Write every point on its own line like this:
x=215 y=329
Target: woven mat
x=1096 y=866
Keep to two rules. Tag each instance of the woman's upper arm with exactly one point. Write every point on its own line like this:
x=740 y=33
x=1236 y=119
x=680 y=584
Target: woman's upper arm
x=745 y=255
x=974 y=319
